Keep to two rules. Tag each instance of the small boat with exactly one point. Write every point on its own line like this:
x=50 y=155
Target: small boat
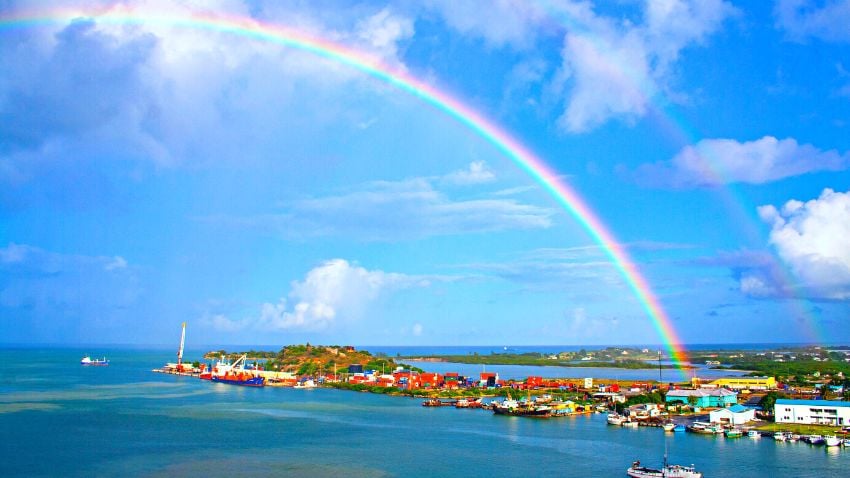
x=734 y=433
x=468 y=403
x=616 y=419
x=832 y=440
x=781 y=436
x=667 y=471
x=436 y=402
x=754 y=434
x=669 y=426
x=702 y=428
x=679 y=428
x=630 y=424
x=87 y=360
x=814 y=439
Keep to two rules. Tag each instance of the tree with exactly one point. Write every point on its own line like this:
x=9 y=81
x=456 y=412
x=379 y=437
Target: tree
x=692 y=401
x=768 y=401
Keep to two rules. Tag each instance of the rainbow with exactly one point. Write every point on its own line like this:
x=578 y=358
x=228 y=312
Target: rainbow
x=565 y=195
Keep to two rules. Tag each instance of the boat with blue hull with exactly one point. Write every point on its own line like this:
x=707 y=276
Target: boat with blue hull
x=236 y=379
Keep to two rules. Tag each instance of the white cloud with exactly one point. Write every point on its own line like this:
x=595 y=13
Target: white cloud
x=499 y=22
x=827 y=20
x=417 y=329
x=336 y=291
x=167 y=93
x=117 y=262
x=812 y=239
x=477 y=173
x=713 y=162
x=397 y=210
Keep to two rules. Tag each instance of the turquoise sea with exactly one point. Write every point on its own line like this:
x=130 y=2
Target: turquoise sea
x=58 y=418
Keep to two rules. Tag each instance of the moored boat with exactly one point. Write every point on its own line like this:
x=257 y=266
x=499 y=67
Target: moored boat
x=734 y=433
x=240 y=379
x=754 y=434
x=831 y=440
x=615 y=419
x=87 y=360
x=702 y=428
x=669 y=426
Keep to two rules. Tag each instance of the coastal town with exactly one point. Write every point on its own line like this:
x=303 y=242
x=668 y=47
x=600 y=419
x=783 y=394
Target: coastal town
x=811 y=407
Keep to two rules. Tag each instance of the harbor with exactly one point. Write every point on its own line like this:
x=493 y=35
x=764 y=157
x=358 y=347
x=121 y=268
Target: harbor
x=320 y=431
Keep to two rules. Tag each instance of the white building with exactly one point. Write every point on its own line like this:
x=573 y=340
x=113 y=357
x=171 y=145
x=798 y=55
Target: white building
x=812 y=412
x=734 y=415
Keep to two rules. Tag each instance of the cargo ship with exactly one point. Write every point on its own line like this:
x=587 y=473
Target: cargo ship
x=235 y=374
x=87 y=360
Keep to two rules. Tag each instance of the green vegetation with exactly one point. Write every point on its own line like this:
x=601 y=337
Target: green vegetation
x=655 y=396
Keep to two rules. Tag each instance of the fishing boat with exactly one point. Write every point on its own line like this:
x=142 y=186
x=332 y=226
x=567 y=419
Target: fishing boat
x=831 y=440
x=754 y=434
x=814 y=439
x=667 y=471
x=87 y=360
x=702 y=428
x=616 y=419
x=679 y=428
x=516 y=409
x=734 y=433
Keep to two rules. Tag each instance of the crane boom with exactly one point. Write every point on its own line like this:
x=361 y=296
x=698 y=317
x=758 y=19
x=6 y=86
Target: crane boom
x=182 y=342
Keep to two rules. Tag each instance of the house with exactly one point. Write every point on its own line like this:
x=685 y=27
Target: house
x=705 y=397
x=812 y=412
x=734 y=415
x=745 y=383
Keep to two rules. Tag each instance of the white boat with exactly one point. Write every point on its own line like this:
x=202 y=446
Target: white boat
x=831 y=440
x=616 y=419
x=669 y=426
x=754 y=434
x=631 y=424
x=667 y=471
x=87 y=360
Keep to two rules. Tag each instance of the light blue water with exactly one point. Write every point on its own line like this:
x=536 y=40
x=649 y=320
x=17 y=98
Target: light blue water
x=60 y=419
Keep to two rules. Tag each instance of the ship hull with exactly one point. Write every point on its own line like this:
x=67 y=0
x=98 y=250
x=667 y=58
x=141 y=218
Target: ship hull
x=249 y=382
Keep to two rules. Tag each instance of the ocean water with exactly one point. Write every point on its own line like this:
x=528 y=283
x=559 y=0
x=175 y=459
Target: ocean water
x=58 y=418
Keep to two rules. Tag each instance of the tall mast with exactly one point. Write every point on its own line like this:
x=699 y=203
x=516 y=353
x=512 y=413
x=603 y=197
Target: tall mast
x=182 y=342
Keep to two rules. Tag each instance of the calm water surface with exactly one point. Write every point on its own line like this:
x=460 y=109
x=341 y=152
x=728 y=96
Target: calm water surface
x=60 y=419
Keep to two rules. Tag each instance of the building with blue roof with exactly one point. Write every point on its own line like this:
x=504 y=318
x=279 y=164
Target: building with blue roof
x=812 y=412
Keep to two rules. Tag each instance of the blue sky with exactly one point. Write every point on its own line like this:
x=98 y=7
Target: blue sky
x=152 y=174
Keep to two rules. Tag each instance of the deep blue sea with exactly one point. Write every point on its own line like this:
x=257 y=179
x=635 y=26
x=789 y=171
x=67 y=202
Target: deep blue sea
x=58 y=418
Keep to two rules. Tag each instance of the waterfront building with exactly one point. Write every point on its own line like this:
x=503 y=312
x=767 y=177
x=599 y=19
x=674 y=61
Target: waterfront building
x=705 y=397
x=734 y=415
x=745 y=383
x=812 y=412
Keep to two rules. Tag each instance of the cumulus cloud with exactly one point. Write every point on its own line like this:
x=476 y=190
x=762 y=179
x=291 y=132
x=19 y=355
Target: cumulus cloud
x=802 y=19
x=334 y=292
x=163 y=94
x=714 y=162
x=618 y=67
x=812 y=239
